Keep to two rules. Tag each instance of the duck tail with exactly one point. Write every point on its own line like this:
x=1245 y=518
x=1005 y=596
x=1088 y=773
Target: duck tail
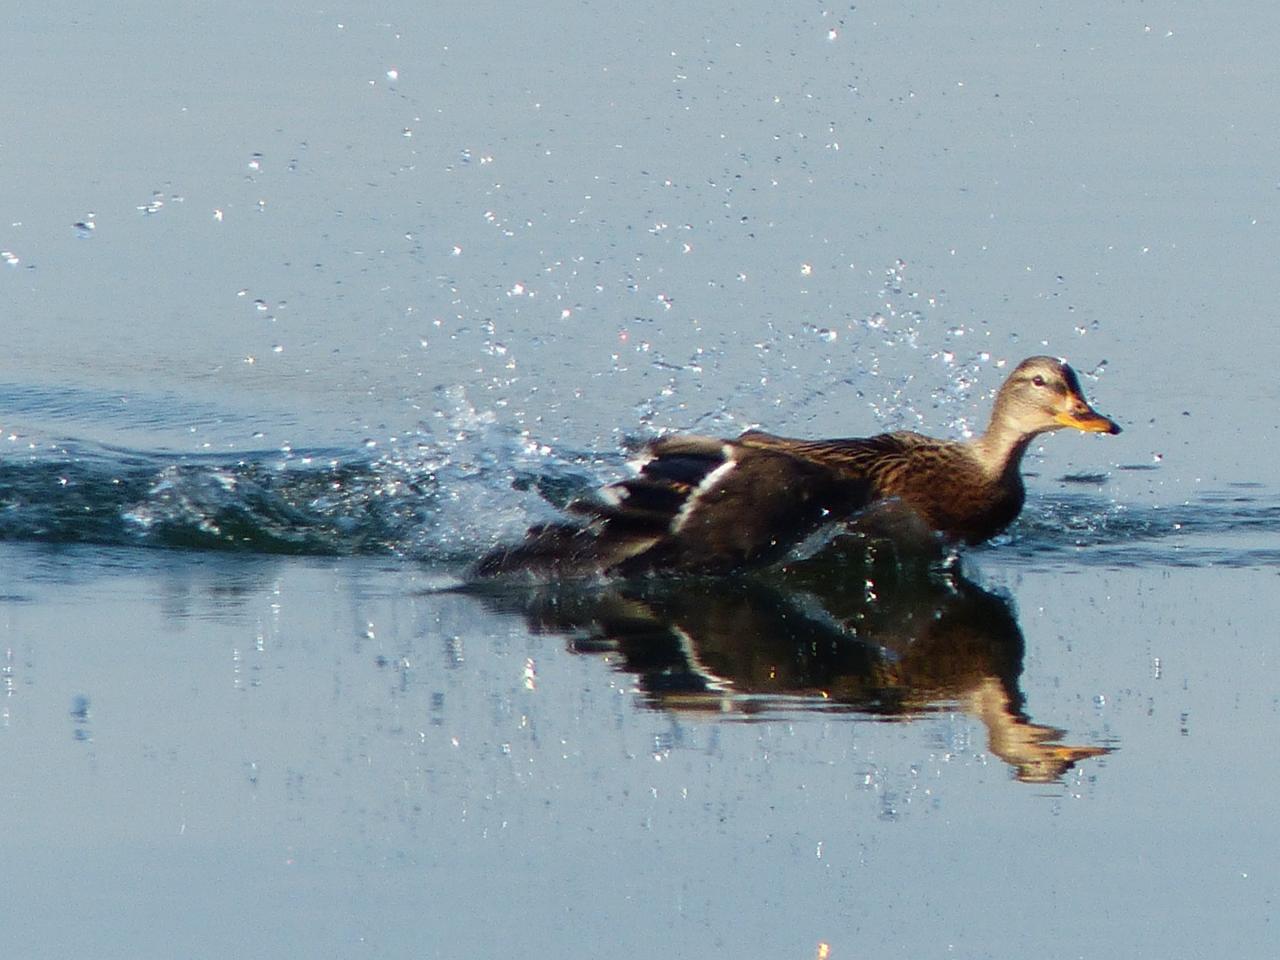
x=556 y=550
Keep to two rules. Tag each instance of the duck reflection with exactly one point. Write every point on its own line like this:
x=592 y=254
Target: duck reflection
x=903 y=646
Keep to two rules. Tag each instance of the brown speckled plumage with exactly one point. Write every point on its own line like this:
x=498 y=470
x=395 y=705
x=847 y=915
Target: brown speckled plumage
x=709 y=505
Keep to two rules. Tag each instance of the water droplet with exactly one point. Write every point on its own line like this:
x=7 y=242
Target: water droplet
x=80 y=708
x=153 y=206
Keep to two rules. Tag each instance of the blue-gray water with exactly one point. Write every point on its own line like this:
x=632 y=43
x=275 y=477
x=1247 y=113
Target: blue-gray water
x=305 y=309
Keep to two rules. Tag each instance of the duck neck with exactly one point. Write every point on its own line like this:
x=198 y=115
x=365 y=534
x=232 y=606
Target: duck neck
x=1000 y=449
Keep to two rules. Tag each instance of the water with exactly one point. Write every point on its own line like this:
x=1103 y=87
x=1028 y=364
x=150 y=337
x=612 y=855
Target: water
x=304 y=312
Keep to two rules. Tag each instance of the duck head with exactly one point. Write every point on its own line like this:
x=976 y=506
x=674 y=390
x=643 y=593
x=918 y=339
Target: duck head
x=1044 y=394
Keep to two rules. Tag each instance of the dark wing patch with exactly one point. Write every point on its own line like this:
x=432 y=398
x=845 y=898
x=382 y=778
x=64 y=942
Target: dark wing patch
x=682 y=468
x=671 y=472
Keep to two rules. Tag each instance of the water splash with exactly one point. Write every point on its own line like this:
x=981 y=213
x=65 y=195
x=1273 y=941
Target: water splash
x=912 y=319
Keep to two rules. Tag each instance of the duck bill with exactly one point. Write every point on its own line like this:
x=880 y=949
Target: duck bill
x=1088 y=420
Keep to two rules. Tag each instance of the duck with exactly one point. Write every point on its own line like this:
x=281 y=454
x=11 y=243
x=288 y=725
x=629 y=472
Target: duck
x=706 y=505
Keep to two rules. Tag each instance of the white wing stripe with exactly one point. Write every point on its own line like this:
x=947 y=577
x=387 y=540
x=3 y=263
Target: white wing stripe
x=709 y=482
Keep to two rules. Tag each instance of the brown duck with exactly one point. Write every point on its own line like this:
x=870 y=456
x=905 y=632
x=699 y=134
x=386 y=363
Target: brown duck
x=701 y=504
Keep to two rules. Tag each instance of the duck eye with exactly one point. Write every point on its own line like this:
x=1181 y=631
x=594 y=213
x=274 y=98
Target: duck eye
x=1038 y=380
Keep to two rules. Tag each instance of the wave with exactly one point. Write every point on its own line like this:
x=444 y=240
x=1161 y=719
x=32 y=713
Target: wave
x=421 y=502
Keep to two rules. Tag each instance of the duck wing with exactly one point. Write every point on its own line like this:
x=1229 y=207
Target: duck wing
x=706 y=505
x=880 y=460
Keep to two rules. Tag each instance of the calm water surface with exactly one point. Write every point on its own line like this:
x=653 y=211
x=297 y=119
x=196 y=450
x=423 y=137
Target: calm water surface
x=305 y=311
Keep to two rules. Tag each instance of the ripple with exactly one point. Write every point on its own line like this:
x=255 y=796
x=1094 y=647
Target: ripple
x=1215 y=529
